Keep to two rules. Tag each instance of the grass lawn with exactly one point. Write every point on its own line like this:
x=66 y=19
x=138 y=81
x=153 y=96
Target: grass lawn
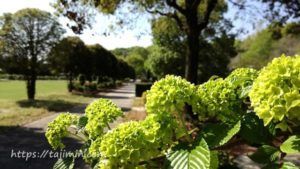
x=51 y=97
x=16 y=90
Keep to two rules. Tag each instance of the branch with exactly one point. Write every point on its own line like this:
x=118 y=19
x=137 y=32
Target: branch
x=155 y=11
x=178 y=21
x=210 y=7
x=196 y=4
x=239 y=5
x=173 y=4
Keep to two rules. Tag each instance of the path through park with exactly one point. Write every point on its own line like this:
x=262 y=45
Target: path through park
x=121 y=96
x=17 y=143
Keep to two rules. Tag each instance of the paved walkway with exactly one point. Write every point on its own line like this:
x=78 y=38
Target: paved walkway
x=30 y=138
x=122 y=96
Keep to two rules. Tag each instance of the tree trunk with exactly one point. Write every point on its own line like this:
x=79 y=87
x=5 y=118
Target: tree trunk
x=31 y=87
x=192 y=59
x=70 y=85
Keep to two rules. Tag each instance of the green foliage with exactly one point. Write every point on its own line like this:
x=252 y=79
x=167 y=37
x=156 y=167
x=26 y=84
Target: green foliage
x=291 y=145
x=291 y=28
x=71 y=56
x=167 y=138
x=253 y=129
x=198 y=157
x=275 y=93
x=164 y=95
x=266 y=155
x=169 y=50
x=218 y=134
x=81 y=79
x=66 y=163
x=162 y=61
x=255 y=50
x=100 y=113
x=258 y=50
x=289 y=165
x=134 y=57
x=58 y=129
x=26 y=39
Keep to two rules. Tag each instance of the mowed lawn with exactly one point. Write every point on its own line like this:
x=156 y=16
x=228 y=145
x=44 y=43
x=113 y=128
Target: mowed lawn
x=51 y=97
x=16 y=90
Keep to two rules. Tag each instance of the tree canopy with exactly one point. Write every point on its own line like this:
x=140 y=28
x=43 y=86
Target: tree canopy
x=26 y=38
x=192 y=17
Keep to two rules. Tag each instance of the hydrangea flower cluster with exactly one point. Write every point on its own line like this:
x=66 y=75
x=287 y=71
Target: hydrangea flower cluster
x=100 y=113
x=131 y=142
x=223 y=98
x=58 y=129
x=170 y=94
x=275 y=93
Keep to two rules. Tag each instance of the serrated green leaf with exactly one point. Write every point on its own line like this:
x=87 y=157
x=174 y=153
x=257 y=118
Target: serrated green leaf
x=82 y=121
x=253 y=129
x=219 y=134
x=265 y=154
x=66 y=163
x=291 y=145
x=289 y=165
x=197 y=158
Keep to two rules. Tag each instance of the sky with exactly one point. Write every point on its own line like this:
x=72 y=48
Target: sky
x=126 y=38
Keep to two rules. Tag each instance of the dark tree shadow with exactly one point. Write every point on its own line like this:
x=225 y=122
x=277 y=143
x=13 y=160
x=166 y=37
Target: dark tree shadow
x=51 y=105
x=112 y=97
x=125 y=109
x=19 y=139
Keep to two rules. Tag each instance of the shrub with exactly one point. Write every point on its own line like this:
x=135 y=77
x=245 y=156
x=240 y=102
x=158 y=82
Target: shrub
x=90 y=87
x=141 y=87
x=166 y=139
x=81 y=79
x=119 y=83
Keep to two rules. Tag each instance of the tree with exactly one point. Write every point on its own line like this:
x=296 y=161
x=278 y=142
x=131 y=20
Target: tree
x=282 y=10
x=27 y=38
x=214 y=56
x=70 y=56
x=192 y=16
x=104 y=62
x=162 y=61
x=135 y=57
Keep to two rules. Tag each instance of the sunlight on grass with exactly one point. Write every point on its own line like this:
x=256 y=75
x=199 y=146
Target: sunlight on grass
x=16 y=90
x=51 y=97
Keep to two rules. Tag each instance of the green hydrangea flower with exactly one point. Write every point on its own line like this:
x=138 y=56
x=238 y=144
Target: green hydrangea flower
x=57 y=129
x=275 y=93
x=223 y=98
x=100 y=113
x=131 y=142
x=170 y=94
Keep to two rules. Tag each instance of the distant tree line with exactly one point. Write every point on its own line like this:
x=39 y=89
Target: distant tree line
x=31 y=44
x=73 y=58
x=258 y=50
